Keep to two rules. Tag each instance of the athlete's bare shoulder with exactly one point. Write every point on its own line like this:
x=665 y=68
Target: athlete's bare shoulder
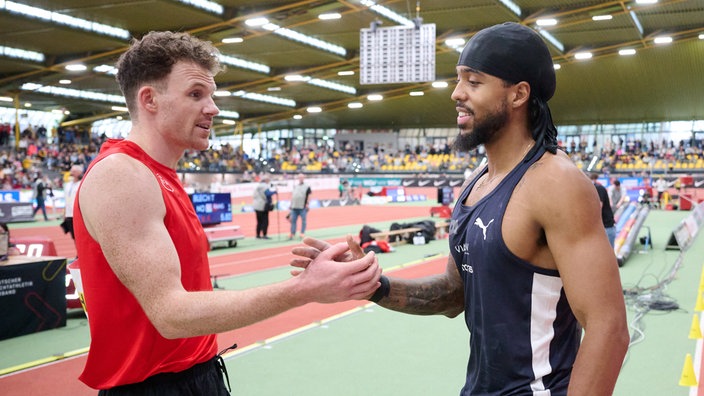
x=552 y=174
x=552 y=166
x=554 y=178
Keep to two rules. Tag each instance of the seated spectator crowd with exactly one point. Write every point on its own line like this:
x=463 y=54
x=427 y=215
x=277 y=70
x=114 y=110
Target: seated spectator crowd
x=34 y=153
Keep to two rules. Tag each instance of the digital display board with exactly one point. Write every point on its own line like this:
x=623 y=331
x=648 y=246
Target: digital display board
x=446 y=195
x=398 y=54
x=212 y=208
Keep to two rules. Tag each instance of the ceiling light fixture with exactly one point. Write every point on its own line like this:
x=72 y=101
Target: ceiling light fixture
x=295 y=78
x=602 y=17
x=232 y=40
x=455 y=42
x=330 y=16
x=646 y=1
x=221 y=94
x=314 y=109
x=205 y=5
x=546 y=22
x=265 y=98
x=270 y=27
x=107 y=69
x=439 y=84
x=346 y=73
x=512 y=6
x=297 y=116
x=244 y=64
x=302 y=38
x=550 y=38
x=73 y=93
x=295 y=36
x=6 y=99
x=321 y=83
x=64 y=82
x=229 y=122
x=583 y=55
x=119 y=108
x=383 y=11
x=375 y=97
x=22 y=54
x=228 y=114
x=76 y=67
x=355 y=105
x=636 y=21
x=255 y=22
x=62 y=19
x=662 y=40
x=627 y=52
x=332 y=86
x=416 y=93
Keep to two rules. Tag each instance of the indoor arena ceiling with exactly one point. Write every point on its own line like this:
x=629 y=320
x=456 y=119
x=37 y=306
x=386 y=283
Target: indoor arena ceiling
x=660 y=82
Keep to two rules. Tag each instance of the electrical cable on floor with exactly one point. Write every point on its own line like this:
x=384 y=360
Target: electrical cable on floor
x=647 y=299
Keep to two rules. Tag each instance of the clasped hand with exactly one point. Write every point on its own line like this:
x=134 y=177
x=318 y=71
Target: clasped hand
x=340 y=272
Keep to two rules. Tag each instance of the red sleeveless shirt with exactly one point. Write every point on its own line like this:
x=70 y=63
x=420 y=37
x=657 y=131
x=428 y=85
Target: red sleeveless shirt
x=125 y=347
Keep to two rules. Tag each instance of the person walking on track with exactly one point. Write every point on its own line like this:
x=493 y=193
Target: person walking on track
x=299 y=205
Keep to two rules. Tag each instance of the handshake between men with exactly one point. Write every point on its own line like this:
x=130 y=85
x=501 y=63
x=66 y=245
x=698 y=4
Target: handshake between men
x=351 y=274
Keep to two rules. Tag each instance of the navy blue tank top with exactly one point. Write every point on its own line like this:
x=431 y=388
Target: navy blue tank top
x=523 y=335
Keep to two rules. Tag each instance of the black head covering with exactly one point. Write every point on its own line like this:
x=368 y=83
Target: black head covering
x=514 y=53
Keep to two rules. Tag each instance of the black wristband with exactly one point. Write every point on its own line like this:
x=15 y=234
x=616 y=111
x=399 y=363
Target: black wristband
x=382 y=291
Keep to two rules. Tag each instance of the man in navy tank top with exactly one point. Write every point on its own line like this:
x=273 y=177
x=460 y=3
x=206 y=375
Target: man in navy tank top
x=530 y=264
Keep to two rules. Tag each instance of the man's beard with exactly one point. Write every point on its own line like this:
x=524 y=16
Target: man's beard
x=483 y=132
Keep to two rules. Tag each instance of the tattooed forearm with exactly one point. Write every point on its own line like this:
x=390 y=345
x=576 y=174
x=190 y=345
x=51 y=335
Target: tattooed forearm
x=435 y=295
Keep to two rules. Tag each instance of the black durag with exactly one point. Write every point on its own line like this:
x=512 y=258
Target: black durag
x=515 y=53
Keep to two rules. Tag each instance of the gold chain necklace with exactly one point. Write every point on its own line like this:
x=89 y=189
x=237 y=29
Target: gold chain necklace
x=486 y=181
x=489 y=180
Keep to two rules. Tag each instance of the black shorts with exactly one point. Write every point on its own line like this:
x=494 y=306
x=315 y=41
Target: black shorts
x=204 y=379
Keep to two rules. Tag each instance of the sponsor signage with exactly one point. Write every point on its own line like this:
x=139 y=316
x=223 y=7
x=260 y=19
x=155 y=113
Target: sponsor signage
x=374 y=182
x=404 y=182
x=32 y=295
x=419 y=182
x=11 y=212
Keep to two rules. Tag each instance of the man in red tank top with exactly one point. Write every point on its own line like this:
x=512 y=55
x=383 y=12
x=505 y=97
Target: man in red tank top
x=152 y=312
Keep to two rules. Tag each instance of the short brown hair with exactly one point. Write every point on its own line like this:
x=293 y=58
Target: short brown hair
x=151 y=59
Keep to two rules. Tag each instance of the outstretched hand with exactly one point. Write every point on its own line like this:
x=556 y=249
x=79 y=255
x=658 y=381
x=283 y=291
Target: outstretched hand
x=313 y=247
x=330 y=280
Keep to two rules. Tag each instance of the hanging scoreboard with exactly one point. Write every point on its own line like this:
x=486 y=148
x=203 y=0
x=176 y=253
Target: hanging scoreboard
x=398 y=54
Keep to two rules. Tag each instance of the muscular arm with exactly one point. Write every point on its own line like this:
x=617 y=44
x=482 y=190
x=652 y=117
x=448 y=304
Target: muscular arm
x=589 y=271
x=123 y=210
x=441 y=294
